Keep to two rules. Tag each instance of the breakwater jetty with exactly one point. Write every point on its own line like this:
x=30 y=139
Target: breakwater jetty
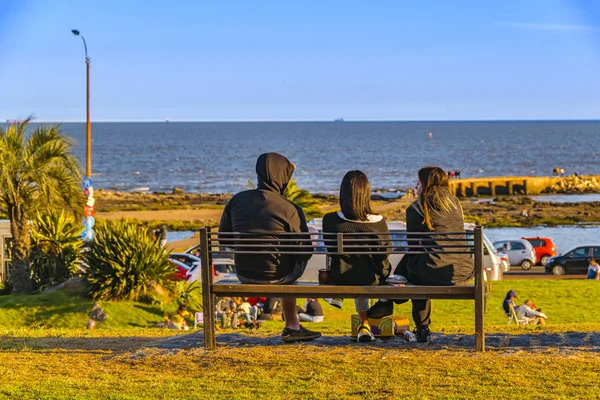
x=524 y=185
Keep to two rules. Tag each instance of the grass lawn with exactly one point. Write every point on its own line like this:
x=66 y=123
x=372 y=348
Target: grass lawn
x=46 y=353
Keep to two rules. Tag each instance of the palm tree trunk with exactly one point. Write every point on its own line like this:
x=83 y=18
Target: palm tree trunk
x=19 y=272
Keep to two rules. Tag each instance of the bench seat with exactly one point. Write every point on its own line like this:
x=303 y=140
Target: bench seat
x=314 y=289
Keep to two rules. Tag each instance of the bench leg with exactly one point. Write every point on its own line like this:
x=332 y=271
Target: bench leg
x=208 y=305
x=208 y=298
x=479 y=313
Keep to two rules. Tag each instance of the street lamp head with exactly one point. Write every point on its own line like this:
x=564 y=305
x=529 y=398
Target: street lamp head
x=75 y=32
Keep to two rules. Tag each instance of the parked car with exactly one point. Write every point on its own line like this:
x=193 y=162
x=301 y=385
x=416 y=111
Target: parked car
x=505 y=262
x=223 y=269
x=492 y=262
x=181 y=270
x=519 y=251
x=573 y=261
x=187 y=259
x=544 y=248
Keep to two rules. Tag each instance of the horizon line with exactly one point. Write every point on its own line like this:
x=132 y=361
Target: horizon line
x=310 y=120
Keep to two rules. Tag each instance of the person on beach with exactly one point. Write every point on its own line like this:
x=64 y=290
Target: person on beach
x=593 y=270
x=261 y=210
x=436 y=210
x=356 y=216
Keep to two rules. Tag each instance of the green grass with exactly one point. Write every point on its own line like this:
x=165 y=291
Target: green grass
x=45 y=352
x=566 y=302
x=61 y=310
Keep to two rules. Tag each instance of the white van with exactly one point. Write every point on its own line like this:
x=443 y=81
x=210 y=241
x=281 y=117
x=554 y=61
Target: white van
x=492 y=263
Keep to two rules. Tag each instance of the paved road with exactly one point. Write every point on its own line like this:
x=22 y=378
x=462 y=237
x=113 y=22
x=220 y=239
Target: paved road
x=536 y=272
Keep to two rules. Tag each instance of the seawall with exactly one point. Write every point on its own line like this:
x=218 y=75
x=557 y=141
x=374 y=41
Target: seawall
x=524 y=185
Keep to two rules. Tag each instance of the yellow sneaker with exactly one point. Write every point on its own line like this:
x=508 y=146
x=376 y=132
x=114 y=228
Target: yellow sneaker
x=364 y=333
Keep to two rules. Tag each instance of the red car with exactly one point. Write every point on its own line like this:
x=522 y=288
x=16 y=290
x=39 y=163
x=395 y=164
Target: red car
x=544 y=248
x=180 y=270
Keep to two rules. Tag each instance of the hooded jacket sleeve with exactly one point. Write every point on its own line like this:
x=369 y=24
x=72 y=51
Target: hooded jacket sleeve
x=298 y=224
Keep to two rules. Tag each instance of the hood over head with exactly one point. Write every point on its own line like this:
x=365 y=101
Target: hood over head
x=274 y=172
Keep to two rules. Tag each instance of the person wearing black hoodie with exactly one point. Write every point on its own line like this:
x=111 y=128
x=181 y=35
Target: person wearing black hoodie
x=267 y=212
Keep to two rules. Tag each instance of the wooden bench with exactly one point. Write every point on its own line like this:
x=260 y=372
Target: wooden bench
x=346 y=244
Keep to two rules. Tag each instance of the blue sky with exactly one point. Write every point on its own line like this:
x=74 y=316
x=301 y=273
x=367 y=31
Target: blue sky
x=284 y=60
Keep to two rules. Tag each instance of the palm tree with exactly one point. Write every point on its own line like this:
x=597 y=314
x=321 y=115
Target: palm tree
x=38 y=172
x=304 y=199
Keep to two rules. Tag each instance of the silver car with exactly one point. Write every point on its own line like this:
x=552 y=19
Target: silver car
x=519 y=252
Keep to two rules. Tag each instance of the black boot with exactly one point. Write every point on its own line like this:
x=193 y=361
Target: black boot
x=423 y=335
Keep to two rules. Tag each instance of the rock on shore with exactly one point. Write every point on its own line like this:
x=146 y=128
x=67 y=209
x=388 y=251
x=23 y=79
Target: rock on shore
x=574 y=184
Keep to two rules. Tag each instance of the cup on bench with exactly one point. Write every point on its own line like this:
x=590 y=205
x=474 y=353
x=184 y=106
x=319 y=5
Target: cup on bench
x=324 y=277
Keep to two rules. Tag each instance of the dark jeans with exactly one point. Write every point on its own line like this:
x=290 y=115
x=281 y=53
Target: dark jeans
x=421 y=311
x=292 y=277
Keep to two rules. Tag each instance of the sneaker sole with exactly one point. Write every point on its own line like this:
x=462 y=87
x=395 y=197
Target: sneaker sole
x=300 y=339
x=365 y=339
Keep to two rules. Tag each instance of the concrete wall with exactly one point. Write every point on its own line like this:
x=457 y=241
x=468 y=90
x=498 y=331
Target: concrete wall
x=507 y=185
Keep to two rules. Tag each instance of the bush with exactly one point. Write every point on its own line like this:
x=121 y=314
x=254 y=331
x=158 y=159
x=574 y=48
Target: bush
x=5 y=288
x=124 y=262
x=55 y=249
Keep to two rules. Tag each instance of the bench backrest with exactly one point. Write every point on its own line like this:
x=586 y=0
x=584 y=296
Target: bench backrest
x=465 y=242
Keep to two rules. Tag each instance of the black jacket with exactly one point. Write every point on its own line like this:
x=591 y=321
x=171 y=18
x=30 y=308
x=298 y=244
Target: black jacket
x=355 y=269
x=265 y=211
x=436 y=269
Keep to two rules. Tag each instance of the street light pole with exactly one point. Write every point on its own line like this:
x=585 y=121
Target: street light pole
x=88 y=128
x=88 y=190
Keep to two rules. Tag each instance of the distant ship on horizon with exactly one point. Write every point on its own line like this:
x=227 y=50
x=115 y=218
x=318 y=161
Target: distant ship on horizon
x=338 y=120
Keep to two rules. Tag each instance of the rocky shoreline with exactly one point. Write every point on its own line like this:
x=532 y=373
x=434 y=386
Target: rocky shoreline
x=187 y=211
x=574 y=185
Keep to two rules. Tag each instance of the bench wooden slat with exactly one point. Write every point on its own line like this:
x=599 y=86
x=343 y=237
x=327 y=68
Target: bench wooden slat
x=313 y=289
x=210 y=290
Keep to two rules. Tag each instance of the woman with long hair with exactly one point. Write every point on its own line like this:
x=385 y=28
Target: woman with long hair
x=356 y=216
x=435 y=210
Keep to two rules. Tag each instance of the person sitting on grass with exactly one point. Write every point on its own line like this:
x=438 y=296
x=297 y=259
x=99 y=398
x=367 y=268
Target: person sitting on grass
x=530 y=314
x=224 y=311
x=177 y=320
x=593 y=270
x=509 y=301
x=356 y=216
x=435 y=210
x=311 y=312
x=265 y=211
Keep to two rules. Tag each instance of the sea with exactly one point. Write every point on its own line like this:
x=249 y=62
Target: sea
x=219 y=157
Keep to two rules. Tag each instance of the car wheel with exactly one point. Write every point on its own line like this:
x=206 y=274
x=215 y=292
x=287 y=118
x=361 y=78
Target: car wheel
x=526 y=265
x=544 y=260
x=558 y=270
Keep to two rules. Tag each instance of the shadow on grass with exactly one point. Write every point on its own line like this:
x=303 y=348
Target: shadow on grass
x=150 y=309
x=563 y=341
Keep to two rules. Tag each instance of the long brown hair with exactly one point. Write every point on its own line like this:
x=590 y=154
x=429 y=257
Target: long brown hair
x=436 y=193
x=355 y=196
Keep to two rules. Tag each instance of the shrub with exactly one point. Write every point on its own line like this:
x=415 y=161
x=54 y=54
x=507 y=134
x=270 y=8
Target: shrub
x=124 y=262
x=304 y=199
x=55 y=248
x=5 y=288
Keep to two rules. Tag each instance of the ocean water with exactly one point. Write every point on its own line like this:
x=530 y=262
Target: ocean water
x=219 y=157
